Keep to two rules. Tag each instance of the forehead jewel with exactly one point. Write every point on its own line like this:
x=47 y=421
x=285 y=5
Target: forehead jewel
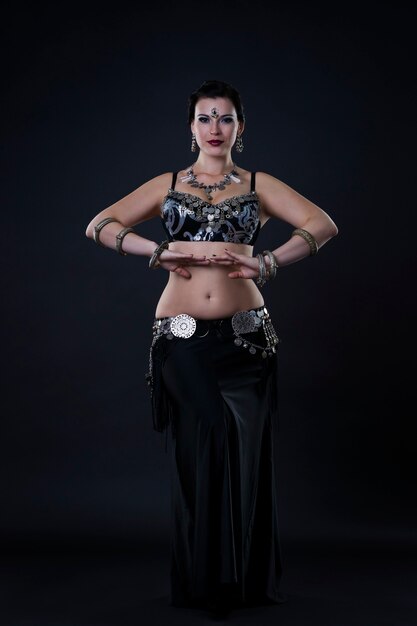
x=214 y=113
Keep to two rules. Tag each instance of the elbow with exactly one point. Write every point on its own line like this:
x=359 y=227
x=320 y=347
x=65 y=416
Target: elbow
x=328 y=233
x=89 y=231
x=334 y=230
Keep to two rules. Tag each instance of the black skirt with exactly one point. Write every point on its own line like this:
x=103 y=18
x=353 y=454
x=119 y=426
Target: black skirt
x=220 y=399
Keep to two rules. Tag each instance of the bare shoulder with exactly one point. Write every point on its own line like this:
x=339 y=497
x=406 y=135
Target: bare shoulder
x=150 y=194
x=280 y=200
x=157 y=186
x=143 y=203
x=266 y=182
x=270 y=192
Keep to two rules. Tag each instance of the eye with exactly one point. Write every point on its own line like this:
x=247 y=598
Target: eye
x=228 y=120
x=203 y=119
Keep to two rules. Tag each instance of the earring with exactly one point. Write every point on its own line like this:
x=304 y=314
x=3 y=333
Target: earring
x=239 y=144
x=193 y=144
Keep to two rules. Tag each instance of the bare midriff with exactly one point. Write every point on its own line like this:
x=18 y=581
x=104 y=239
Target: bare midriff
x=209 y=293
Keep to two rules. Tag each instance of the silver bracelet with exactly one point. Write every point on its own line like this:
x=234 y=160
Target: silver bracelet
x=154 y=262
x=119 y=239
x=273 y=266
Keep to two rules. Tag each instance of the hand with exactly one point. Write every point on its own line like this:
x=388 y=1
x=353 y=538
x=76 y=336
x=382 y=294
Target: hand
x=248 y=266
x=176 y=262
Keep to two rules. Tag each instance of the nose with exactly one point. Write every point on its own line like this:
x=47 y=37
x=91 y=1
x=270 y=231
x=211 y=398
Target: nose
x=214 y=128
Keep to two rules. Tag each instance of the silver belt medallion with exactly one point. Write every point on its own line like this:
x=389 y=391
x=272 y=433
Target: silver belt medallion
x=243 y=322
x=183 y=325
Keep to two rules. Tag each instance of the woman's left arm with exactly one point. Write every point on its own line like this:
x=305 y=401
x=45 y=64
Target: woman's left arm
x=281 y=201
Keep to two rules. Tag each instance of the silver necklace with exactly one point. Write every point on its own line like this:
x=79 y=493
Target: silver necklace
x=191 y=179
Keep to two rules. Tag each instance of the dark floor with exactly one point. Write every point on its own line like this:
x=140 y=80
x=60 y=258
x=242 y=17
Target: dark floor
x=329 y=584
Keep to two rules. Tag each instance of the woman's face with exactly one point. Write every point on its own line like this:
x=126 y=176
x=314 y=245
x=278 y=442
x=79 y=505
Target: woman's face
x=215 y=125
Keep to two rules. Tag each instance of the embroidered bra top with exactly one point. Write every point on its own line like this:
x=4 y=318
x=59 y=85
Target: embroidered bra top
x=186 y=217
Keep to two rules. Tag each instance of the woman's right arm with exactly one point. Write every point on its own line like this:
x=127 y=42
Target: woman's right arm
x=138 y=206
x=144 y=203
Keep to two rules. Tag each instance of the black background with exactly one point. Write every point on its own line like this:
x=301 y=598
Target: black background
x=94 y=105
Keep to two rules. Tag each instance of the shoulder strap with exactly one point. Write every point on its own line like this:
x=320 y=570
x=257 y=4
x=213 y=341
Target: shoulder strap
x=252 y=181
x=174 y=179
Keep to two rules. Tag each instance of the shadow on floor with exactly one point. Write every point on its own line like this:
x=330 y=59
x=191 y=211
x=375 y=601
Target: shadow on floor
x=328 y=584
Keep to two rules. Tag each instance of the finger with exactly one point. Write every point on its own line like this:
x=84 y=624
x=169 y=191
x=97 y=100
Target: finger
x=192 y=259
x=235 y=275
x=182 y=272
x=237 y=258
x=220 y=257
x=222 y=261
x=180 y=255
x=192 y=263
x=242 y=259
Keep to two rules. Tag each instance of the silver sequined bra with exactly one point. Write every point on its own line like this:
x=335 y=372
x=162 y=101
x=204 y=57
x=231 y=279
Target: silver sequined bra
x=186 y=217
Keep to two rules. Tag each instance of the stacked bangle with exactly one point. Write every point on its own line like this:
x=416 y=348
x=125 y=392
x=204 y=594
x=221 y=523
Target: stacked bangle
x=119 y=239
x=264 y=272
x=308 y=237
x=273 y=265
x=98 y=227
x=154 y=260
x=262 y=278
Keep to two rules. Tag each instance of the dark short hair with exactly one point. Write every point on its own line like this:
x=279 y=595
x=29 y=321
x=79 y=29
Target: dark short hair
x=215 y=89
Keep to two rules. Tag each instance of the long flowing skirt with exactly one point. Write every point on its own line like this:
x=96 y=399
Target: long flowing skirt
x=222 y=406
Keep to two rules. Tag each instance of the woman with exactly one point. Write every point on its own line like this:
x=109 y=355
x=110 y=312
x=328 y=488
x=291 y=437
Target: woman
x=213 y=355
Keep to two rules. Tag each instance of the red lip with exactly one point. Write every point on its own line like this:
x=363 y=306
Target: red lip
x=215 y=142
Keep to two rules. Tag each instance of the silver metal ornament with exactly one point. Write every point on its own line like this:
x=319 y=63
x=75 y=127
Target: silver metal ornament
x=183 y=325
x=243 y=322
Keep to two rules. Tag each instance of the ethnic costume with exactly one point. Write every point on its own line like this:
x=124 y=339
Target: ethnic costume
x=213 y=382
